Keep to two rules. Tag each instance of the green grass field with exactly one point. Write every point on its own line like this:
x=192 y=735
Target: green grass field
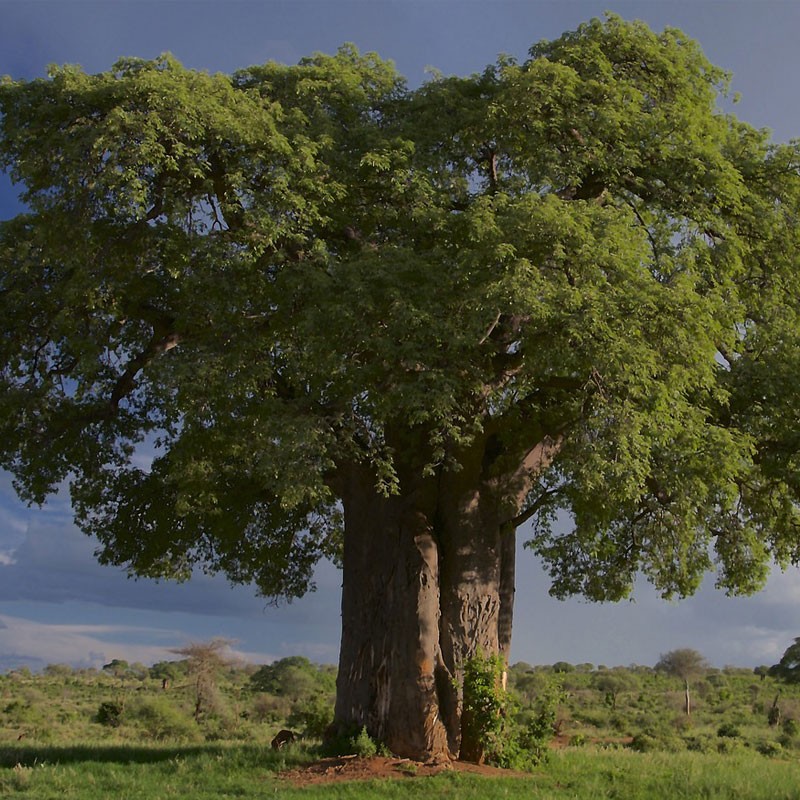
x=244 y=771
x=623 y=734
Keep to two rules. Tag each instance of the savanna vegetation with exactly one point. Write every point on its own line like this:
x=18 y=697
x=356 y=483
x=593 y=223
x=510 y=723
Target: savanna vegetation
x=583 y=730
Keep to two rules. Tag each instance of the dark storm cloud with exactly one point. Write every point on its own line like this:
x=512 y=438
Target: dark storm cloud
x=54 y=563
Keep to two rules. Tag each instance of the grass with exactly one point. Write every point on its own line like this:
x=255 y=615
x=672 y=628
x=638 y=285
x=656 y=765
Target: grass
x=54 y=747
x=95 y=772
x=246 y=771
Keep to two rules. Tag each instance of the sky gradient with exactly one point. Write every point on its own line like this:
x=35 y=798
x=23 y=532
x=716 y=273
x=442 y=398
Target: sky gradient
x=58 y=605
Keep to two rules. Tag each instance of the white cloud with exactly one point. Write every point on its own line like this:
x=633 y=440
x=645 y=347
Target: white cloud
x=27 y=642
x=80 y=645
x=6 y=558
x=753 y=644
x=12 y=523
x=783 y=587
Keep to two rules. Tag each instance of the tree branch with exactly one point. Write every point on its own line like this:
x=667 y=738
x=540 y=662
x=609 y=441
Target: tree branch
x=541 y=501
x=126 y=382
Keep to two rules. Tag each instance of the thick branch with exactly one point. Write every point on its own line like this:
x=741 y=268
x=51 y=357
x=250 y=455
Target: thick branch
x=126 y=382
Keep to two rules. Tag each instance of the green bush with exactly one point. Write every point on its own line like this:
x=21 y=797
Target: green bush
x=313 y=714
x=650 y=741
x=644 y=743
x=110 y=713
x=363 y=745
x=727 y=746
x=702 y=743
x=485 y=706
x=769 y=748
x=160 y=720
x=268 y=708
x=728 y=729
x=25 y=712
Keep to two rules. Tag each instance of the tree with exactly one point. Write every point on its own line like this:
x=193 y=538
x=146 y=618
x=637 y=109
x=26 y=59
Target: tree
x=294 y=677
x=762 y=671
x=168 y=672
x=388 y=326
x=613 y=683
x=204 y=662
x=686 y=664
x=117 y=667
x=788 y=668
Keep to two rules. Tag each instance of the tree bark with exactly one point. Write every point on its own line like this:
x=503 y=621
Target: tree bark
x=470 y=598
x=428 y=583
x=389 y=654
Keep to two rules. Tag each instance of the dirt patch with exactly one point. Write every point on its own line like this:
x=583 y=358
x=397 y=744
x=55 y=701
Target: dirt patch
x=356 y=768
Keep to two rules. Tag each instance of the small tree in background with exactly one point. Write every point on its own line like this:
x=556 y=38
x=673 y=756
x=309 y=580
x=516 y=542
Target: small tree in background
x=205 y=660
x=295 y=677
x=168 y=672
x=686 y=664
x=117 y=667
x=762 y=671
x=612 y=684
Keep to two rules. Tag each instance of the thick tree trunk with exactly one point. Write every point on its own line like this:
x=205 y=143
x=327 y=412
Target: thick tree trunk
x=390 y=624
x=428 y=583
x=471 y=570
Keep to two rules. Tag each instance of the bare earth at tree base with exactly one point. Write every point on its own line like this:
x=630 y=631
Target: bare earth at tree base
x=357 y=768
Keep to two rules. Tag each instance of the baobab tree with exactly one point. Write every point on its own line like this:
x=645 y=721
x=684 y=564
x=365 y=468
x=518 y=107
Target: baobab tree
x=388 y=326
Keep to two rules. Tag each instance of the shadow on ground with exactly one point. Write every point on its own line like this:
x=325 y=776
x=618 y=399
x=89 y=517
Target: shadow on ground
x=31 y=755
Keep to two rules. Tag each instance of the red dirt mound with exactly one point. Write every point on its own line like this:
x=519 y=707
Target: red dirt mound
x=355 y=768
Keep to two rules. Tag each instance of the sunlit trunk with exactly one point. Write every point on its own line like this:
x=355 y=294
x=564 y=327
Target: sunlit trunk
x=426 y=586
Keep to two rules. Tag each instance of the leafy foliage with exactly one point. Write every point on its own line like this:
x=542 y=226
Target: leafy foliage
x=204 y=662
x=489 y=720
x=292 y=677
x=788 y=668
x=313 y=715
x=110 y=713
x=484 y=701
x=683 y=663
x=266 y=276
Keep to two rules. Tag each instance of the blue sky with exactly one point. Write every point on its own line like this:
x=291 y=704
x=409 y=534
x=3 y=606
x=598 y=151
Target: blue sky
x=58 y=605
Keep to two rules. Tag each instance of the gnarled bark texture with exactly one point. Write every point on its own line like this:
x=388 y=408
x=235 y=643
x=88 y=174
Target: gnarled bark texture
x=428 y=583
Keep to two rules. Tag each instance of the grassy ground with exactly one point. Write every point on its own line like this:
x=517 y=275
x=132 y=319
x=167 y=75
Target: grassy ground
x=242 y=771
x=624 y=736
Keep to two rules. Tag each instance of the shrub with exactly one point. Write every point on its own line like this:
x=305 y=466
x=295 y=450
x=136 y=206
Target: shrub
x=363 y=745
x=644 y=743
x=489 y=717
x=702 y=743
x=268 y=708
x=728 y=746
x=652 y=740
x=110 y=713
x=313 y=714
x=24 y=712
x=160 y=720
x=769 y=749
x=728 y=729
x=485 y=701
